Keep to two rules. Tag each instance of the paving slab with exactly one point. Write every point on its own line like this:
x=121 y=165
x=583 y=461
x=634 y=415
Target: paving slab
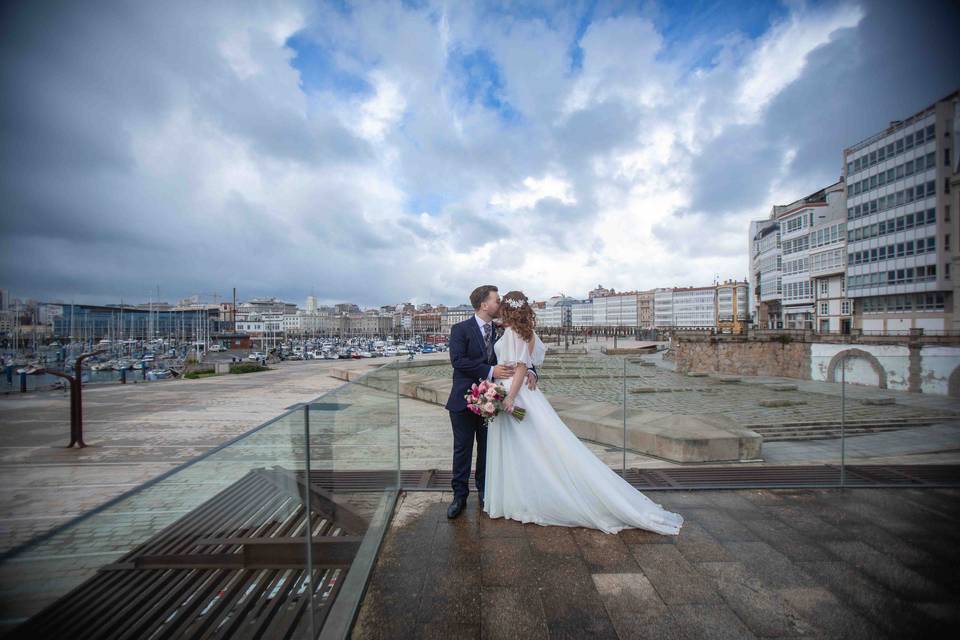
x=871 y=577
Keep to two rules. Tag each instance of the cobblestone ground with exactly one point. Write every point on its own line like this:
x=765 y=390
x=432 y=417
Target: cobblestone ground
x=655 y=388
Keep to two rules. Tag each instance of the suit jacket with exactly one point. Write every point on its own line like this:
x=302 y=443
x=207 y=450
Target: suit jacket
x=469 y=360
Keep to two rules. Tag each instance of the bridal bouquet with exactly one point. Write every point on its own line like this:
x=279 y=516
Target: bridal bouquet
x=486 y=400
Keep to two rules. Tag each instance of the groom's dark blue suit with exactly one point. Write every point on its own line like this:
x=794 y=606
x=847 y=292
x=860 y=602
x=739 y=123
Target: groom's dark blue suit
x=470 y=364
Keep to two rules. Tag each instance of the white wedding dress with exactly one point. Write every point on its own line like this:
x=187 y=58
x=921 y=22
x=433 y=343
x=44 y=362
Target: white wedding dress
x=538 y=470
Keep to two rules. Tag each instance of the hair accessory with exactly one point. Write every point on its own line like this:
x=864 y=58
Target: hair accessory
x=515 y=304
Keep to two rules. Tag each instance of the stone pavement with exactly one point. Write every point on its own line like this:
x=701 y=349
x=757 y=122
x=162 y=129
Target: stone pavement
x=716 y=419
x=862 y=563
x=747 y=400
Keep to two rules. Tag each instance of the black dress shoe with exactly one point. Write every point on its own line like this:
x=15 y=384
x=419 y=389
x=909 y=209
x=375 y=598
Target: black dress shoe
x=456 y=507
x=480 y=496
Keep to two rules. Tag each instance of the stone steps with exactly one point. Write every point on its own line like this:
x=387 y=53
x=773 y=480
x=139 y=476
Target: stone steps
x=823 y=435
x=854 y=422
x=826 y=430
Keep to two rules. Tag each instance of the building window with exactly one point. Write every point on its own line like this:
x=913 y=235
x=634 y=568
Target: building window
x=845 y=307
x=823 y=288
x=946 y=242
x=824 y=309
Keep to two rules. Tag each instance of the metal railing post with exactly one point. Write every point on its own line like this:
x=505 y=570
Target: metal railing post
x=308 y=533
x=397 y=369
x=624 y=450
x=843 y=416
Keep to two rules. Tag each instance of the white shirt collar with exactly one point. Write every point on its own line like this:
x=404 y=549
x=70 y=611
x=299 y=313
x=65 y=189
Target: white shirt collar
x=480 y=322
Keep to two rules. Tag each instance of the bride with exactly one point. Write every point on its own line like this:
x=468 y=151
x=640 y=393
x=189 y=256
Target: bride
x=537 y=470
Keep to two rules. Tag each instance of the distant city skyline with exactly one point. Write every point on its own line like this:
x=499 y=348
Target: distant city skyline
x=379 y=152
x=302 y=301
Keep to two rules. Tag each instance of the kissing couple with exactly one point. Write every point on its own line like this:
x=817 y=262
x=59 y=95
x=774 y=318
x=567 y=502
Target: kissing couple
x=534 y=470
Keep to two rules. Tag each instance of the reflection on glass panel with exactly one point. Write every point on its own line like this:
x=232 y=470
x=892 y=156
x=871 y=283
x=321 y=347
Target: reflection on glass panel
x=276 y=530
x=354 y=480
x=217 y=542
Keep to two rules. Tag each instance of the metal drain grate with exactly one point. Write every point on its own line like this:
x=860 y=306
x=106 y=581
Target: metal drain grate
x=684 y=478
x=750 y=477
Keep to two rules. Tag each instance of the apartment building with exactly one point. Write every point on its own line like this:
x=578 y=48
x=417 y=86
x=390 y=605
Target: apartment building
x=662 y=308
x=555 y=312
x=581 y=313
x=766 y=279
x=615 y=309
x=797 y=263
x=733 y=314
x=901 y=240
x=701 y=307
x=645 y=309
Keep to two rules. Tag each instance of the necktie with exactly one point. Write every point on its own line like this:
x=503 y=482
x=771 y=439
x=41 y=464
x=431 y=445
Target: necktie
x=488 y=343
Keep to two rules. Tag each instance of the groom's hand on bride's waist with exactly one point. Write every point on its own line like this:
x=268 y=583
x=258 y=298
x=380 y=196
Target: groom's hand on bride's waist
x=503 y=371
x=531 y=380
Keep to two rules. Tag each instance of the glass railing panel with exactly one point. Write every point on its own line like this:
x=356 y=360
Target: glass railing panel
x=353 y=458
x=182 y=544
x=225 y=540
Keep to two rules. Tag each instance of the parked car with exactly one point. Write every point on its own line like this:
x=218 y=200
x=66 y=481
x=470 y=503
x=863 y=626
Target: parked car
x=256 y=355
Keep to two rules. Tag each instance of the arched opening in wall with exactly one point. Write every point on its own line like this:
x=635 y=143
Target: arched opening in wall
x=953 y=383
x=862 y=368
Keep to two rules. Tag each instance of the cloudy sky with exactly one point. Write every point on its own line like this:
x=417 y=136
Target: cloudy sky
x=385 y=152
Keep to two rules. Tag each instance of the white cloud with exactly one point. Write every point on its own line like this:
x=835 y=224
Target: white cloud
x=534 y=190
x=382 y=111
x=630 y=170
x=781 y=55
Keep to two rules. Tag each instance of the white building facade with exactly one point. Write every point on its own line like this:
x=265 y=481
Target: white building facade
x=898 y=229
x=581 y=313
x=555 y=312
x=616 y=310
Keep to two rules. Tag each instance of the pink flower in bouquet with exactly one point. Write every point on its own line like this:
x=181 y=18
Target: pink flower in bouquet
x=486 y=400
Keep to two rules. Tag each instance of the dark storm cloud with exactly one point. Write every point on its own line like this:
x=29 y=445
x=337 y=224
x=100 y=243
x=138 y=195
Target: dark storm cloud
x=899 y=59
x=734 y=171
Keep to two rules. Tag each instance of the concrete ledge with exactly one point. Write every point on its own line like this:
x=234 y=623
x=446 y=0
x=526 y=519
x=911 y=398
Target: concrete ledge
x=628 y=351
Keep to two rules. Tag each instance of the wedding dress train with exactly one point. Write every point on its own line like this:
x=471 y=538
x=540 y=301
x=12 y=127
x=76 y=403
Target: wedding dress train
x=538 y=470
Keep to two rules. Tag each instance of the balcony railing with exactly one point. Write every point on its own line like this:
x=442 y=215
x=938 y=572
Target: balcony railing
x=276 y=531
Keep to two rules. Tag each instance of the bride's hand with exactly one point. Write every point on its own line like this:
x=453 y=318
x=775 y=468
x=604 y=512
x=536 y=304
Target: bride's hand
x=507 y=404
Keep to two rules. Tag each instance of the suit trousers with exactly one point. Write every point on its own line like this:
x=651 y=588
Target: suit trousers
x=467 y=426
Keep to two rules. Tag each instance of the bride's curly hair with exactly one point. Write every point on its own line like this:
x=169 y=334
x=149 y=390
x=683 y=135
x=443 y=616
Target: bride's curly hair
x=515 y=311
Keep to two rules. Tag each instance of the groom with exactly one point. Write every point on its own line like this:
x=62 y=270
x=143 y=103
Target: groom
x=473 y=359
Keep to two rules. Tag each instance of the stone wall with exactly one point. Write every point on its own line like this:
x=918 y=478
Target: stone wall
x=906 y=363
x=748 y=358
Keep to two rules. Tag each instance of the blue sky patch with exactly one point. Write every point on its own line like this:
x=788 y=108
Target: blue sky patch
x=319 y=71
x=480 y=81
